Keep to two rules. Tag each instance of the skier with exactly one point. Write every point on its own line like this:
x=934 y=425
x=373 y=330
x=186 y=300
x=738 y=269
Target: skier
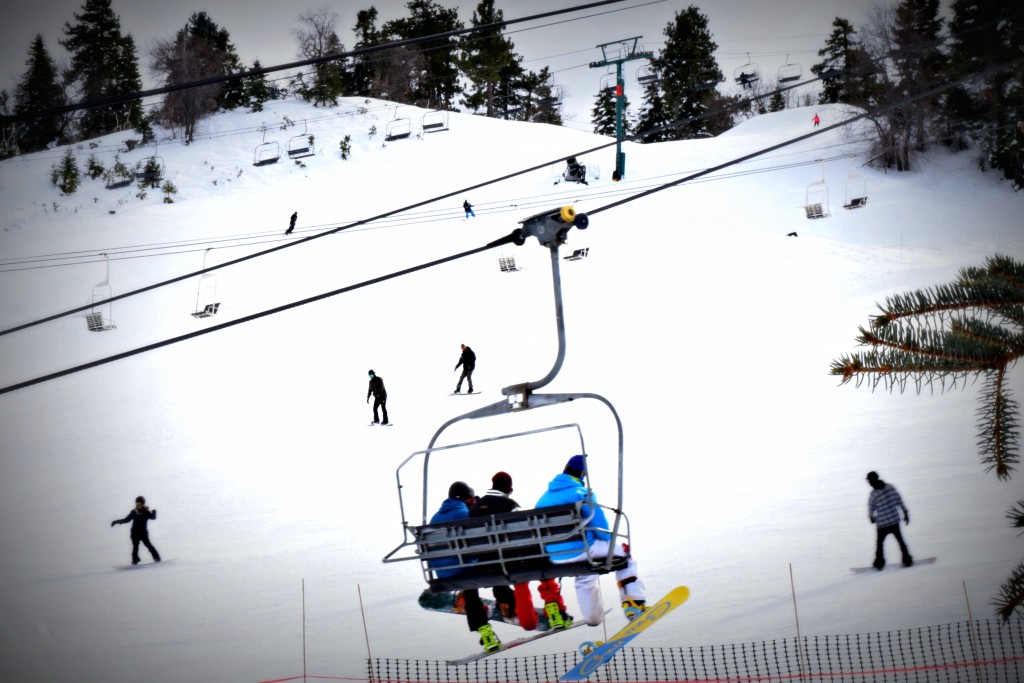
x=139 y=517
x=816 y=119
x=884 y=505
x=468 y=209
x=291 y=223
x=468 y=362
x=456 y=506
x=380 y=397
x=495 y=501
x=568 y=487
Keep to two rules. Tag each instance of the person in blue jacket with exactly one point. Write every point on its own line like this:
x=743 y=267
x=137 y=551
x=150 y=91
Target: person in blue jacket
x=568 y=487
x=456 y=506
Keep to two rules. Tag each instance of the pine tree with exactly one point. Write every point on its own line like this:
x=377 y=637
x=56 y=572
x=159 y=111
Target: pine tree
x=65 y=174
x=949 y=334
x=103 y=65
x=256 y=89
x=986 y=35
x=486 y=57
x=39 y=91
x=603 y=114
x=846 y=70
x=687 y=66
x=439 y=86
x=365 y=68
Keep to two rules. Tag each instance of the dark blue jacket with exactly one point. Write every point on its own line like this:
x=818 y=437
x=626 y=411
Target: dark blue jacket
x=138 y=518
x=451 y=510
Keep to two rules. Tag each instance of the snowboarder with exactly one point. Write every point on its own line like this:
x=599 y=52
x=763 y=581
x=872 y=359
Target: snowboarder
x=468 y=362
x=380 y=397
x=816 y=119
x=456 y=506
x=468 y=208
x=498 y=500
x=291 y=223
x=884 y=505
x=568 y=487
x=139 y=517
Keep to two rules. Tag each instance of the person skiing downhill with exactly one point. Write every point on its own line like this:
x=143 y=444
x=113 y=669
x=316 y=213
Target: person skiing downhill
x=380 y=397
x=884 y=505
x=468 y=362
x=568 y=487
x=139 y=517
x=816 y=120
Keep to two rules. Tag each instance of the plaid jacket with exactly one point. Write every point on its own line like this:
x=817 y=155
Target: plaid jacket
x=884 y=506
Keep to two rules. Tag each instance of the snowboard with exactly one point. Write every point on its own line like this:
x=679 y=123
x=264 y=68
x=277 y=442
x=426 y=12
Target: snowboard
x=379 y=424
x=599 y=657
x=464 y=393
x=142 y=565
x=513 y=643
x=894 y=565
x=451 y=602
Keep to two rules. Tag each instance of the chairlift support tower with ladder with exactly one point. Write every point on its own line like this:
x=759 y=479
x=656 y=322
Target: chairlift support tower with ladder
x=628 y=53
x=510 y=547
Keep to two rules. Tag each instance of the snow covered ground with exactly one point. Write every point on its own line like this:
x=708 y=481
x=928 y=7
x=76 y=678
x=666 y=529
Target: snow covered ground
x=708 y=327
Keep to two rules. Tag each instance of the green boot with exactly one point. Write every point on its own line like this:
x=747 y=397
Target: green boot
x=488 y=639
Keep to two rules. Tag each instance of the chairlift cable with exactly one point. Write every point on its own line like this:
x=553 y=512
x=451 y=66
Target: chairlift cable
x=511 y=238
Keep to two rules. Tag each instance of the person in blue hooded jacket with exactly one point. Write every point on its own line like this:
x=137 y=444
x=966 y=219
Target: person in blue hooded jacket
x=568 y=487
x=456 y=506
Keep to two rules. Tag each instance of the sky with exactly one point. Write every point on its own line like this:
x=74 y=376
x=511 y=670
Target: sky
x=708 y=328
x=771 y=32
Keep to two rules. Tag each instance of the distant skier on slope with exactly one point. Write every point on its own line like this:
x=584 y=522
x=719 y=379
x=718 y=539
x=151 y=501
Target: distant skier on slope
x=291 y=223
x=380 y=397
x=139 y=517
x=468 y=208
x=468 y=362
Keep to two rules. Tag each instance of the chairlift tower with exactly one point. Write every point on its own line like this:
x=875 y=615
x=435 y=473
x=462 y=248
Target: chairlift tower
x=627 y=53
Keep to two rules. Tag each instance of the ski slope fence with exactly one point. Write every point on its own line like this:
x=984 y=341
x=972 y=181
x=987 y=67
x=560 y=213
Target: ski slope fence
x=983 y=651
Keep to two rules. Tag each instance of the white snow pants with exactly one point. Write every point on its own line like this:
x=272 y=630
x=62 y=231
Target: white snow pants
x=588 y=588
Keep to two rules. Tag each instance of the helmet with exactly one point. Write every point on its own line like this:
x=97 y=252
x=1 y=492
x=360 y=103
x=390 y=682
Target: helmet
x=460 y=490
x=140 y=499
x=370 y=373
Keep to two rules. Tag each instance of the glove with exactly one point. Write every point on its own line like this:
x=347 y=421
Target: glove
x=112 y=524
x=906 y=518
x=367 y=399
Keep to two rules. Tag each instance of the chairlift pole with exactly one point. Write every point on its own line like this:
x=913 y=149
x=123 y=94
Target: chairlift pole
x=630 y=51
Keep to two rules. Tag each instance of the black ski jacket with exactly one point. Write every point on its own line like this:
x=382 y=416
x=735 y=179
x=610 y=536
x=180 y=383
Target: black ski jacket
x=493 y=502
x=376 y=388
x=468 y=358
x=139 y=519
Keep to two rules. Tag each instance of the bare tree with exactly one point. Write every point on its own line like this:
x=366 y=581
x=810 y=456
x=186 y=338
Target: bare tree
x=180 y=61
x=318 y=38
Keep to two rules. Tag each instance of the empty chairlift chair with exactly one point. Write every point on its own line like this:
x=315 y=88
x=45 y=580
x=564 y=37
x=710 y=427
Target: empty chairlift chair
x=434 y=121
x=100 y=315
x=301 y=146
x=789 y=72
x=266 y=153
x=816 y=197
x=206 y=293
x=856 y=192
x=397 y=129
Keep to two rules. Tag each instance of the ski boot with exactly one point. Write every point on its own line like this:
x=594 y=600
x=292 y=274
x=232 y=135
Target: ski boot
x=555 y=619
x=633 y=608
x=488 y=639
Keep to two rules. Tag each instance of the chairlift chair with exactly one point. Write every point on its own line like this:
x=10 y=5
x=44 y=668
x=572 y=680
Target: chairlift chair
x=609 y=84
x=647 y=74
x=511 y=547
x=397 y=129
x=507 y=264
x=301 y=146
x=434 y=121
x=747 y=74
x=206 y=293
x=856 y=196
x=150 y=170
x=816 y=197
x=789 y=72
x=100 y=315
x=266 y=153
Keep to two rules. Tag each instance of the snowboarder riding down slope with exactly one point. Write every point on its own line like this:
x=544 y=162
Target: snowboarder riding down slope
x=468 y=208
x=468 y=362
x=884 y=505
x=380 y=397
x=139 y=517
